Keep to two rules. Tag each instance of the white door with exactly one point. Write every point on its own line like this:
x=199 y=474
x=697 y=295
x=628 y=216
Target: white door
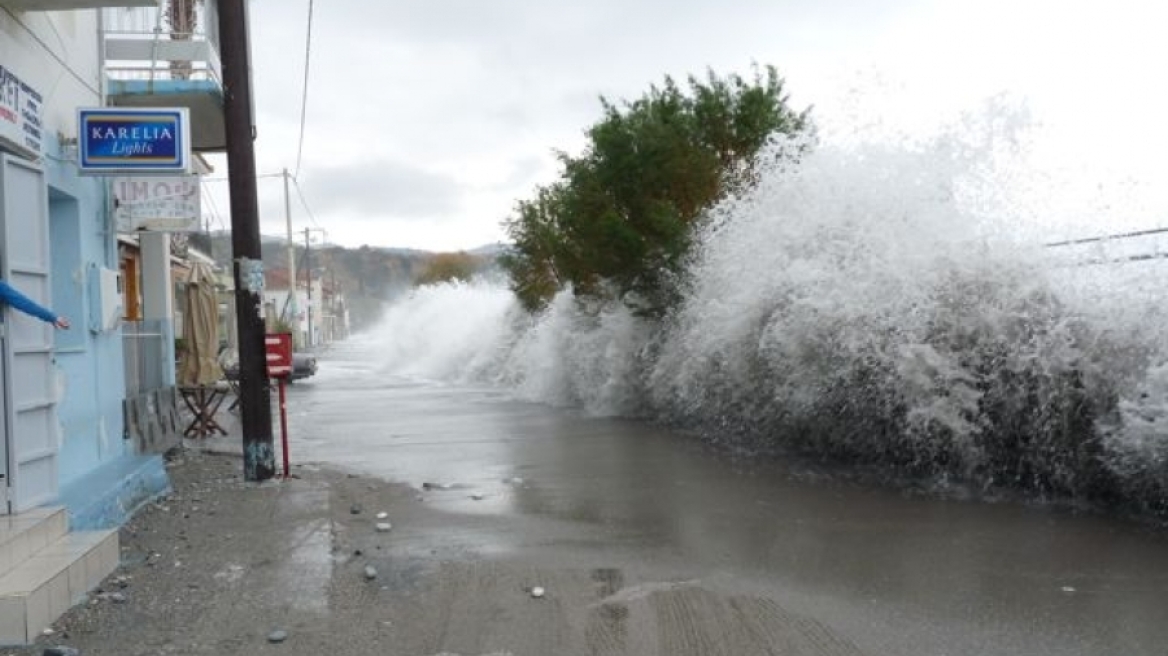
x=29 y=407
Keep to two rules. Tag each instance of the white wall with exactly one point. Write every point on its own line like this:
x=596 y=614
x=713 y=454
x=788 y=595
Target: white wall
x=65 y=85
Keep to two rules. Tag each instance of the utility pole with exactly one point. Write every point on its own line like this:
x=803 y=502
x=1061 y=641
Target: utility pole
x=290 y=304
x=255 y=397
x=308 y=275
x=308 y=280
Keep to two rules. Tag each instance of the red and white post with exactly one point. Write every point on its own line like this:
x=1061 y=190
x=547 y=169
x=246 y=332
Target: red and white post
x=279 y=353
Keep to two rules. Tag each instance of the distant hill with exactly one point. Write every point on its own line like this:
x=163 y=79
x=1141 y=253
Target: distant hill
x=370 y=276
x=490 y=250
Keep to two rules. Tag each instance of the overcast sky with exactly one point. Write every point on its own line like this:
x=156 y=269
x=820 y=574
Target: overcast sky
x=427 y=120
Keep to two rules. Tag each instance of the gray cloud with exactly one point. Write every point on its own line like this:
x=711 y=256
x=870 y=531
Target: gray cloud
x=523 y=172
x=382 y=188
x=448 y=110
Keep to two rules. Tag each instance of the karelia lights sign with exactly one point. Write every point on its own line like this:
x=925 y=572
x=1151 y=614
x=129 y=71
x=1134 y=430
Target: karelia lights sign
x=142 y=141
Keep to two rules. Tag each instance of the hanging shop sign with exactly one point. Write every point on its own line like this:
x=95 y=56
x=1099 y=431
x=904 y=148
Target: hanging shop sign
x=21 y=118
x=131 y=140
x=162 y=204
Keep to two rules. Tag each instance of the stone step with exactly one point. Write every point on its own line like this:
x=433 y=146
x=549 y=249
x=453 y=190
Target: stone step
x=53 y=579
x=23 y=535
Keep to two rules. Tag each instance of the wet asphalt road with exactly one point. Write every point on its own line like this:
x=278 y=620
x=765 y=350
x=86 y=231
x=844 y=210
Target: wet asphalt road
x=892 y=573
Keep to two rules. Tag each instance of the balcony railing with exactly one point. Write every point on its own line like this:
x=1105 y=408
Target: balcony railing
x=168 y=56
x=67 y=5
x=146 y=44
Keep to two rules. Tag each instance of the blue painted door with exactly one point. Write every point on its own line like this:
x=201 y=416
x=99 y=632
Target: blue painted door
x=30 y=427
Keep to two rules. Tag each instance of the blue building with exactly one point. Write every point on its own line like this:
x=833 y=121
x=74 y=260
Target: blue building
x=85 y=413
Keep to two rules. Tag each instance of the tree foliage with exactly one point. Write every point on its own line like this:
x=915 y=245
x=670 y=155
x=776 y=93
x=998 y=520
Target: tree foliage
x=619 y=220
x=449 y=267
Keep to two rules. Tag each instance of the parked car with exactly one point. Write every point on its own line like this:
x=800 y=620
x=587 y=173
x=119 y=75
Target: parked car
x=303 y=366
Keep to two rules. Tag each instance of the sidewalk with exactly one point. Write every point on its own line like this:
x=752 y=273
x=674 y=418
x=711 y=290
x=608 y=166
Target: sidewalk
x=221 y=564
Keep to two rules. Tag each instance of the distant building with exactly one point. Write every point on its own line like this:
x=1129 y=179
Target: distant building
x=317 y=315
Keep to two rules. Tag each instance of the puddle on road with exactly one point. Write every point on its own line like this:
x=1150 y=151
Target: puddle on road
x=304 y=576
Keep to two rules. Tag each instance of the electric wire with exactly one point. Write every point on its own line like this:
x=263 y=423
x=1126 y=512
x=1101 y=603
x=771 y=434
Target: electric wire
x=304 y=91
x=53 y=26
x=227 y=179
x=304 y=203
x=64 y=64
x=215 y=214
x=1122 y=235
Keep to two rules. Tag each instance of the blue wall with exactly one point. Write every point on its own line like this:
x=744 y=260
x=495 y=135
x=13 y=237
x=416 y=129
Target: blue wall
x=91 y=364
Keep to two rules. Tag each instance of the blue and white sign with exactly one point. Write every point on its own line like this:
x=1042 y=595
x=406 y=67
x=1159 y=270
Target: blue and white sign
x=131 y=140
x=20 y=116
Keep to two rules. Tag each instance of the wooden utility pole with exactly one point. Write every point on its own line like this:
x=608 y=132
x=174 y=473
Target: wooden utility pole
x=290 y=311
x=255 y=397
x=308 y=270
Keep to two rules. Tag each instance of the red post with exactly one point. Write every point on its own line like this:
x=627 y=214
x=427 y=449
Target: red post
x=278 y=347
x=283 y=428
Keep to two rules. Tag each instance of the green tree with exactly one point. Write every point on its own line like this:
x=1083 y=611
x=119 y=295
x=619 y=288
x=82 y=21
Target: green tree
x=448 y=267
x=619 y=220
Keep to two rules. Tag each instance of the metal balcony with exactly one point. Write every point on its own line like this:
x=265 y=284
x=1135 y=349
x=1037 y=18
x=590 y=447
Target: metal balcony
x=65 y=5
x=168 y=56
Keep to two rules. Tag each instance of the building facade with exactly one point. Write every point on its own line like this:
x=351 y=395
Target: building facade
x=85 y=413
x=316 y=314
x=75 y=451
x=82 y=406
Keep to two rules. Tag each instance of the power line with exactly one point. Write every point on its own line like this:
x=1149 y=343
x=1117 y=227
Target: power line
x=225 y=179
x=1123 y=235
x=214 y=208
x=77 y=76
x=56 y=32
x=304 y=93
x=300 y=194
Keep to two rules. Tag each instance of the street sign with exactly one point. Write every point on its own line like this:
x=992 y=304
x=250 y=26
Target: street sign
x=278 y=347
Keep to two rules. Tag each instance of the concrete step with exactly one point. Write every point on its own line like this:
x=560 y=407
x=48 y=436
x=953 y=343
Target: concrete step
x=23 y=535
x=52 y=580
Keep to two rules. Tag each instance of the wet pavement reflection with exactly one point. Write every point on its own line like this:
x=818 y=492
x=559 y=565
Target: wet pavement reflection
x=905 y=574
